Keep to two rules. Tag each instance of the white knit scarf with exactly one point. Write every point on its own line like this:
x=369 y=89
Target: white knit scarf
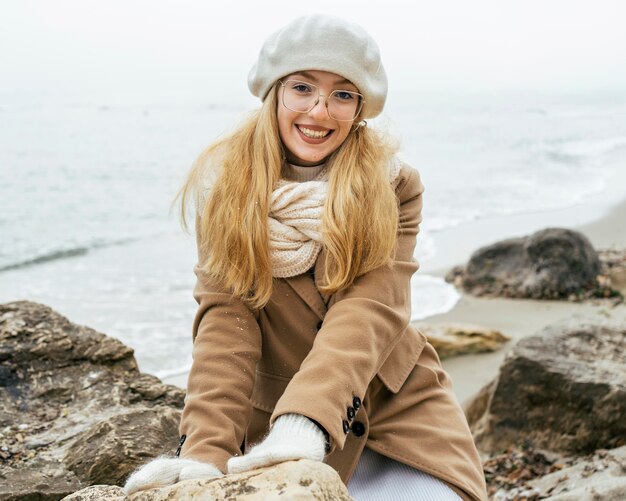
x=294 y=222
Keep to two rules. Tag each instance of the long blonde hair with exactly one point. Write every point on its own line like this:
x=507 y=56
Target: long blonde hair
x=359 y=221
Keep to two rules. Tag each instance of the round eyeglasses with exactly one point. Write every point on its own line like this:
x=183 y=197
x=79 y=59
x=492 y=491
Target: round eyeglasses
x=302 y=97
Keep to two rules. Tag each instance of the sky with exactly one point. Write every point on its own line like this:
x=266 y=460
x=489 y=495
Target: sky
x=160 y=47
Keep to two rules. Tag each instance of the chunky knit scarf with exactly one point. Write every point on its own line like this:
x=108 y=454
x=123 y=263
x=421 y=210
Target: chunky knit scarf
x=294 y=222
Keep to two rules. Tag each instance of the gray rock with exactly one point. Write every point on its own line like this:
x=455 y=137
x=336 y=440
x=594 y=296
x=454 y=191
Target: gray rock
x=74 y=407
x=602 y=476
x=549 y=264
x=109 y=451
x=589 y=478
x=562 y=390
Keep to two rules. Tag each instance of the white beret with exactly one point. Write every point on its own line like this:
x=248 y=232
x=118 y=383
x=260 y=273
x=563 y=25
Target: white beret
x=325 y=43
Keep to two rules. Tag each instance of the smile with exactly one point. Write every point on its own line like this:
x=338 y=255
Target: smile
x=313 y=134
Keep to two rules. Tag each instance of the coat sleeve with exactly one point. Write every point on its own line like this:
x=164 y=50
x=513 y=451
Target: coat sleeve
x=226 y=348
x=359 y=331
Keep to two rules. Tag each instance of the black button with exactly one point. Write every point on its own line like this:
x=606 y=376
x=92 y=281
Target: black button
x=319 y=326
x=351 y=413
x=358 y=429
x=356 y=403
x=346 y=427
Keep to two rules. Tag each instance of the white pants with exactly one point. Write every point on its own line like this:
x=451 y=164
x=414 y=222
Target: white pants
x=378 y=478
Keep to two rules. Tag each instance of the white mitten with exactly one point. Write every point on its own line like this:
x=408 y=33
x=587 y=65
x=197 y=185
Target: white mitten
x=291 y=437
x=167 y=471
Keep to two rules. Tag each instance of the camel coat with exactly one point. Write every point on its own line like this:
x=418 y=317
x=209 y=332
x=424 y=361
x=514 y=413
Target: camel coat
x=351 y=362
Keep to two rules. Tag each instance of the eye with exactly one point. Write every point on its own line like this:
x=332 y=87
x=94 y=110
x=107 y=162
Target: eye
x=301 y=87
x=344 y=95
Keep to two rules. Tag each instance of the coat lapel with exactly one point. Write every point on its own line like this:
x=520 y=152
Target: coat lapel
x=304 y=286
x=320 y=268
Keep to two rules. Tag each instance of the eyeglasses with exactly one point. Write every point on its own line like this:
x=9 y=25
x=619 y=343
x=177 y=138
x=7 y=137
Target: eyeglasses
x=302 y=97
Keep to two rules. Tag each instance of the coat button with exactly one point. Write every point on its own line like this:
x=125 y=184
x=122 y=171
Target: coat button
x=358 y=429
x=346 y=427
x=351 y=413
x=356 y=403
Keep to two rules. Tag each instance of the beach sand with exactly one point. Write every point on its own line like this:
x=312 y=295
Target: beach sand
x=516 y=318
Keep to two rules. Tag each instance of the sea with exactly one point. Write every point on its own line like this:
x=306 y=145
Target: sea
x=87 y=224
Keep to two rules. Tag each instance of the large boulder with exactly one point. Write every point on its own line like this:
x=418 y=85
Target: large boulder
x=293 y=480
x=561 y=390
x=74 y=408
x=549 y=264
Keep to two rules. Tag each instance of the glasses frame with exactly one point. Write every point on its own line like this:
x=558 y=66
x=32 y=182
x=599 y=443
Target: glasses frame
x=319 y=96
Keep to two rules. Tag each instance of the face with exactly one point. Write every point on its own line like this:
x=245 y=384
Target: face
x=309 y=138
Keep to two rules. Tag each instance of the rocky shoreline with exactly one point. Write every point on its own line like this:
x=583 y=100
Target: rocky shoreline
x=76 y=411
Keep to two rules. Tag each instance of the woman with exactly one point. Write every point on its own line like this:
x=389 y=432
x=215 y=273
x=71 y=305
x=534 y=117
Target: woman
x=306 y=230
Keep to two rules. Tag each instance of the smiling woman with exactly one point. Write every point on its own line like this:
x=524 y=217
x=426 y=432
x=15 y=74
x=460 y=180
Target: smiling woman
x=317 y=117
x=303 y=348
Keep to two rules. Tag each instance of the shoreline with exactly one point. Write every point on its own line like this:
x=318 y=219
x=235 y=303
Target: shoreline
x=454 y=245
x=516 y=318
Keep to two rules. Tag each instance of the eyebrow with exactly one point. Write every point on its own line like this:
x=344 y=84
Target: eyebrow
x=308 y=75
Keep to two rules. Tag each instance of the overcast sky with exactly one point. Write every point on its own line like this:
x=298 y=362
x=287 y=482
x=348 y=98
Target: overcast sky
x=161 y=46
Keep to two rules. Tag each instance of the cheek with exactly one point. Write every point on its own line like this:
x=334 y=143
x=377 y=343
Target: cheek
x=284 y=124
x=343 y=133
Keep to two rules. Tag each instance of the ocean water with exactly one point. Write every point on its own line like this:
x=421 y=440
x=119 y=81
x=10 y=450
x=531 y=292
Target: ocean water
x=86 y=224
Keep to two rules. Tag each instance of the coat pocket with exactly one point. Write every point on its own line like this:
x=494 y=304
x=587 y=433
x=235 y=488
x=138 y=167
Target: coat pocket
x=402 y=359
x=268 y=388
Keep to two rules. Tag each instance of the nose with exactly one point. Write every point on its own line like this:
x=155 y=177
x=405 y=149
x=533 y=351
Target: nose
x=319 y=110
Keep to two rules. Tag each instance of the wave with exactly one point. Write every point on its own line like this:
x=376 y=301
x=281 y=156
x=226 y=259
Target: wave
x=62 y=254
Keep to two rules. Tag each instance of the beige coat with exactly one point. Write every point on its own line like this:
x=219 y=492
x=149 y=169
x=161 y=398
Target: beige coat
x=315 y=355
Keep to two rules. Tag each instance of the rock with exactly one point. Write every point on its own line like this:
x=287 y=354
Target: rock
x=562 y=390
x=461 y=339
x=603 y=476
x=549 y=264
x=293 y=480
x=532 y=476
x=508 y=475
x=100 y=493
x=74 y=408
x=101 y=455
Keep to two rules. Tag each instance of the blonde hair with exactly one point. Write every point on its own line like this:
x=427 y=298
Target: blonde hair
x=359 y=222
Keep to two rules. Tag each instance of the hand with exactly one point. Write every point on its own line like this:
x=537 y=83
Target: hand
x=167 y=471
x=292 y=437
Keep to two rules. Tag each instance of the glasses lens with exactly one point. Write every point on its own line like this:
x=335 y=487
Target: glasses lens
x=344 y=105
x=299 y=96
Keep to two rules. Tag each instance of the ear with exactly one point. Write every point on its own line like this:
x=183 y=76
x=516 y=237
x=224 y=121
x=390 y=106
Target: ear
x=356 y=125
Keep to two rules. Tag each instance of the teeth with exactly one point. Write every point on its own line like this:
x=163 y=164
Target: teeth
x=316 y=134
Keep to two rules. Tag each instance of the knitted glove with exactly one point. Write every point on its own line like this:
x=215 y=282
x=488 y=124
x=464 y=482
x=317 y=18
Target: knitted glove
x=291 y=437
x=167 y=471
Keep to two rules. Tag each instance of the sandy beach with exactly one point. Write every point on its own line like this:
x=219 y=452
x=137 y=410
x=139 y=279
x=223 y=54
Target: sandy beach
x=518 y=318
x=515 y=318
